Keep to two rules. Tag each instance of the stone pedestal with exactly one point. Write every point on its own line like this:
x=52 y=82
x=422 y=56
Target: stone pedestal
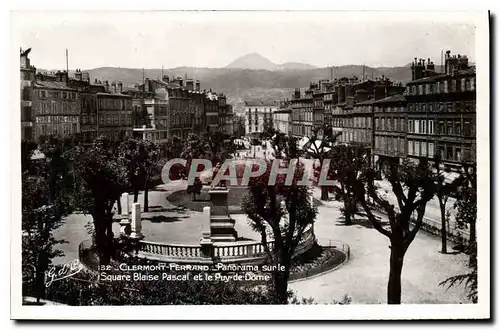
x=125 y=219
x=221 y=224
x=136 y=225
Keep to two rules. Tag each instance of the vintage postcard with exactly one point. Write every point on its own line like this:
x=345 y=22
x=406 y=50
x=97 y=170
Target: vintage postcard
x=308 y=165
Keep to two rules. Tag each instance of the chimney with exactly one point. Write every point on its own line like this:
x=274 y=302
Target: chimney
x=189 y=84
x=62 y=76
x=78 y=74
x=86 y=77
x=120 y=87
x=166 y=79
x=113 y=87
x=197 y=86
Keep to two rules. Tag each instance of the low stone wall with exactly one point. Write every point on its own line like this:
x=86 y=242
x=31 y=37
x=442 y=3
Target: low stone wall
x=244 y=252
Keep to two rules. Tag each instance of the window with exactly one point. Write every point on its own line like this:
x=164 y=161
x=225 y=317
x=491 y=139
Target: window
x=417 y=127
x=431 y=149
x=410 y=123
x=423 y=127
x=453 y=85
x=462 y=84
x=467 y=85
x=446 y=86
x=473 y=83
x=449 y=152
x=449 y=127
x=458 y=130
x=458 y=154
x=413 y=90
x=417 y=148
x=449 y=107
x=377 y=123
x=431 y=126
x=410 y=147
x=467 y=154
x=43 y=94
x=467 y=128
x=420 y=89
x=424 y=148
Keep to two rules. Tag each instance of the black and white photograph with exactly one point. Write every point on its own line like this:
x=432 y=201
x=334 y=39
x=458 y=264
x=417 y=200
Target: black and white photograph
x=274 y=160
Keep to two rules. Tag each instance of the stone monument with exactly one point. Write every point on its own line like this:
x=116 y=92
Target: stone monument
x=221 y=224
x=125 y=219
x=206 y=240
x=136 y=225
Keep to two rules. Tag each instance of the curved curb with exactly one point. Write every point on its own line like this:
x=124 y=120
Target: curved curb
x=346 y=259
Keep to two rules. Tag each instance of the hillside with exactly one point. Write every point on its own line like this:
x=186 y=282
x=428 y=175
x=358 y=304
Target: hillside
x=241 y=84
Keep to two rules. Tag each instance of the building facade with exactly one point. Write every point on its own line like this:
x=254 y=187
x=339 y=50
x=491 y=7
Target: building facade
x=28 y=73
x=302 y=111
x=114 y=112
x=442 y=111
x=55 y=105
x=390 y=144
x=282 y=118
x=259 y=116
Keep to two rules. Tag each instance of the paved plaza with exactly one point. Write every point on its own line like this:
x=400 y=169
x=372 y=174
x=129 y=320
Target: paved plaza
x=363 y=277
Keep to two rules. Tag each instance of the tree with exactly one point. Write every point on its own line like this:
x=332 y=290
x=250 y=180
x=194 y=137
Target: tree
x=348 y=162
x=173 y=148
x=284 y=211
x=39 y=219
x=466 y=205
x=466 y=216
x=27 y=149
x=44 y=204
x=413 y=187
x=57 y=169
x=327 y=139
x=285 y=146
x=149 y=156
x=129 y=152
x=443 y=191
x=100 y=179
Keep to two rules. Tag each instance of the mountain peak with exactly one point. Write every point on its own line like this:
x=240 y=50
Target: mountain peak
x=252 y=61
x=255 y=61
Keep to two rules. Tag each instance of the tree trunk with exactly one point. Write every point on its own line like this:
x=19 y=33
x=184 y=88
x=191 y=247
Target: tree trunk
x=396 y=267
x=281 y=286
x=324 y=193
x=347 y=211
x=103 y=234
x=146 y=201
x=443 y=225
x=472 y=244
x=347 y=219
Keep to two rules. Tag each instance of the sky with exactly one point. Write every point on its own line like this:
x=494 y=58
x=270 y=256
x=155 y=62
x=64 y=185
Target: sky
x=214 y=39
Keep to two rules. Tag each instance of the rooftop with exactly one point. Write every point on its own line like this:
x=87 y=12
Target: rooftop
x=390 y=99
x=260 y=103
x=53 y=85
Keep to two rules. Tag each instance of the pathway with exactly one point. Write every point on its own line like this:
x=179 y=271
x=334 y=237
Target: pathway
x=364 y=277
